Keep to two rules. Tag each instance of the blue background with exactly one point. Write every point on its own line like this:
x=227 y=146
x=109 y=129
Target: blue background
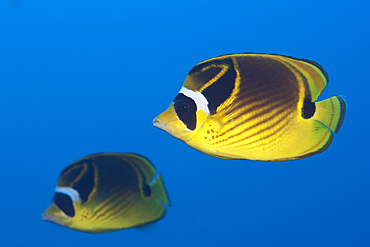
x=80 y=77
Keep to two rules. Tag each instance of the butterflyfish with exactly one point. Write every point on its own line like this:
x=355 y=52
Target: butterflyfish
x=255 y=107
x=105 y=192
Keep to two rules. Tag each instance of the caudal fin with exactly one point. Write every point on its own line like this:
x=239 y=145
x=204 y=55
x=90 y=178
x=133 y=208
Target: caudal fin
x=331 y=112
x=159 y=190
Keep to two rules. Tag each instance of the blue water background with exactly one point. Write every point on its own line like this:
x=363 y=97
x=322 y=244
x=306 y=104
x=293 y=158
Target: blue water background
x=80 y=77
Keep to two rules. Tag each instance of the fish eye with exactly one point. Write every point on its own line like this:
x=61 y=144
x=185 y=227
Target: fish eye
x=181 y=108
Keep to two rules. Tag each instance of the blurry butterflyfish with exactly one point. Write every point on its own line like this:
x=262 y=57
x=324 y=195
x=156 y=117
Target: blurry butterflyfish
x=255 y=107
x=106 y=192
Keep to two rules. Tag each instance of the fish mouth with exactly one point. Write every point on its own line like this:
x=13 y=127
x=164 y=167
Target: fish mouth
x=49 y=218
x=170 y=123
x=160 y=123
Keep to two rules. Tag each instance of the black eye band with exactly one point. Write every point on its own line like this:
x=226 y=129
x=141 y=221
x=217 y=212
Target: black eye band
x=64 y=203
x=186 y=110
x=147 y=190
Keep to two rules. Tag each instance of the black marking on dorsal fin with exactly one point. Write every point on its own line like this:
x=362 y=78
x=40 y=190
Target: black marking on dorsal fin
x=308 y=109
x=147 y=191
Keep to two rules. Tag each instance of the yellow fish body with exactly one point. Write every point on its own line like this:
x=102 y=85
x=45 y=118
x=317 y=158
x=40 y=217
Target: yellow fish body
x=106 y=192
x=256 y=107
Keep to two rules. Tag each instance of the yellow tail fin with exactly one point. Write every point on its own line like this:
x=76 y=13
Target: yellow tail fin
x=331 y=112
x=159 y=191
